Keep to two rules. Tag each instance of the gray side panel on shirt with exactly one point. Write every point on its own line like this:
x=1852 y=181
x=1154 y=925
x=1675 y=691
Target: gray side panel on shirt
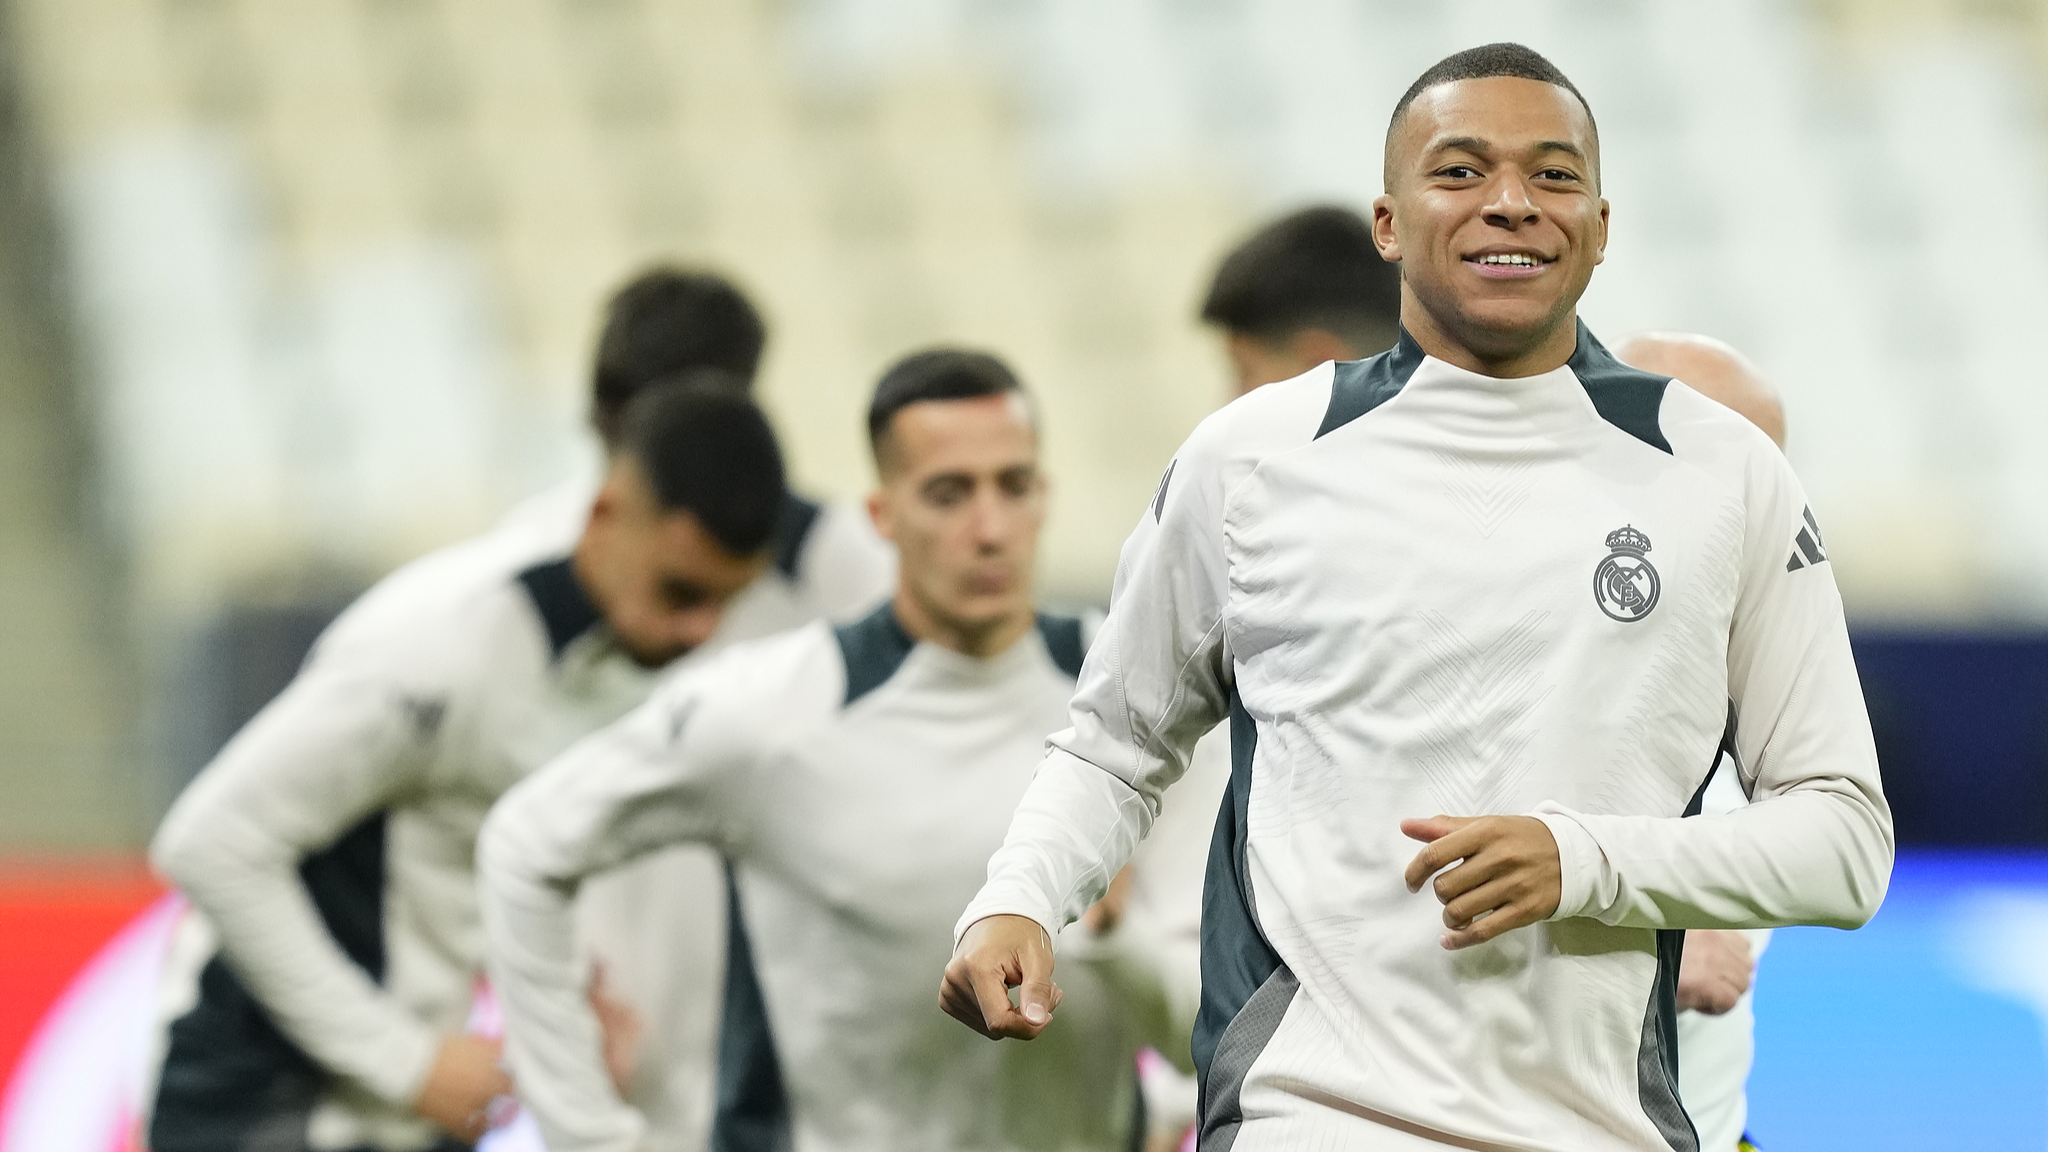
x=1657 y=1057
x=1242 y=1043
x=1238 y=965
x=751 y=1110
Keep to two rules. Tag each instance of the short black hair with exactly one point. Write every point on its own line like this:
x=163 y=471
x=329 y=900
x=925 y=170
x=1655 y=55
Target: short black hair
x=664 y=321
x=1485 y=62
x=707 y=450
x=1316 y=268
x=935 y=374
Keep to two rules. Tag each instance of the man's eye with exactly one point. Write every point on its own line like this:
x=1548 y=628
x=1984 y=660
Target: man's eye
x=1458 y=172
x=680 y=594
x=1556 y=174
x=1018 y=482
x=946 y=493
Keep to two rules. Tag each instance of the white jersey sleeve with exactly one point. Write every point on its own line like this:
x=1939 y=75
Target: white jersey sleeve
x=352 y=731
x=1815 y=847
x=1157 y=677
x=663 y=775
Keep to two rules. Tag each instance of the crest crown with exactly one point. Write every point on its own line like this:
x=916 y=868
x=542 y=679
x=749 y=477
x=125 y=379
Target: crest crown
x=1627 y=539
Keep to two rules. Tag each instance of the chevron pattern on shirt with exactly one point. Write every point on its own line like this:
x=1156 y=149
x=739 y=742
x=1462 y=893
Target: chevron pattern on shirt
x=1478 y=696
x=1486 y=493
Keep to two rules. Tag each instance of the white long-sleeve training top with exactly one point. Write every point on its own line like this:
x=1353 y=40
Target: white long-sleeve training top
x=858 y=782
x=659 y=924
x=328 y=848
x=1413 y=589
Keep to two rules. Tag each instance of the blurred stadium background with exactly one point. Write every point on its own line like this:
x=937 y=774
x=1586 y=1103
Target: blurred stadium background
x=294 y=290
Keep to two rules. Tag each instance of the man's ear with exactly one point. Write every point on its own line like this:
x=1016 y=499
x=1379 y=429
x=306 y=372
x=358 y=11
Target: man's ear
x=1383 y=237
x=878 y=514
x=1600 y=256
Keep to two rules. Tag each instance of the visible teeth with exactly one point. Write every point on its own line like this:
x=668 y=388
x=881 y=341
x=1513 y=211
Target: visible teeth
x=1516 y=259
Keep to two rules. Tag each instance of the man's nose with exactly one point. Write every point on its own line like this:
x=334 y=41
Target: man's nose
x=1510 y=206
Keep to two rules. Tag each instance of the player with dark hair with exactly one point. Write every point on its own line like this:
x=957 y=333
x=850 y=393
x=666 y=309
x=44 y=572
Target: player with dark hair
x=327 y=850
x=1493 y=574
x=858 y=778
x=657 y=926
x=1307 y=288
x=667 y=320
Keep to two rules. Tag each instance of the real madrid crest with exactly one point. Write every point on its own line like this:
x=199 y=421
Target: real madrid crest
x=1625 y=585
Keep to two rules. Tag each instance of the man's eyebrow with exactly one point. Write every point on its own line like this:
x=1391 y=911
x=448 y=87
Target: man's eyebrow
x=1564 y=146
x=1461 y=144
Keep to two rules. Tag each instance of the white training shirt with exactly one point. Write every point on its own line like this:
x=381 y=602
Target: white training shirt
x=329 y=845
x=858 y=783
x=658 y=924
x=328 y=848
x=1414 y=589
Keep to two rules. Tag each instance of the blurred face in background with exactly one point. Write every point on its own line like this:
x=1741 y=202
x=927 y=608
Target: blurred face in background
x=661 y=581
x=962 y=498
x=1493 y=210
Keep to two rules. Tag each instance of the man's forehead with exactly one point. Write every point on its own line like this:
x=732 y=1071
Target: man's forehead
x=1500 y=113
x=981 y=434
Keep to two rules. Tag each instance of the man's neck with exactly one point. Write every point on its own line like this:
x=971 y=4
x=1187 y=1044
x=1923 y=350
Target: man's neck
x=979 y=639
x=1553 y=350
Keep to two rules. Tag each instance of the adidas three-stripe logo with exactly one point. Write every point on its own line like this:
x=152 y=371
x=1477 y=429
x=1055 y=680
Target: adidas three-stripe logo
x=1806 y=547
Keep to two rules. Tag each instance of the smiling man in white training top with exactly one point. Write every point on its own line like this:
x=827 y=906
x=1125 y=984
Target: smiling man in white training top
x=1492 y=574
x=857 y=779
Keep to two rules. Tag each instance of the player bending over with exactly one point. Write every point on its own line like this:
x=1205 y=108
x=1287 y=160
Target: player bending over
x=1498 y=576
x=858 y=779
x=329 y=845
x=657 y=927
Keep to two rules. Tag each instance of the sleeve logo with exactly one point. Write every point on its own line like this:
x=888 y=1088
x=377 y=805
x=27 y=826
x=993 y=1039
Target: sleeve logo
x=1625 y=585
x=1807 y=547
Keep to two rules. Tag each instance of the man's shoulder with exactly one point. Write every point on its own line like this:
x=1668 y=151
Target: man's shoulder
x=441 y=606
x=1707 y=434
x=1269 y=419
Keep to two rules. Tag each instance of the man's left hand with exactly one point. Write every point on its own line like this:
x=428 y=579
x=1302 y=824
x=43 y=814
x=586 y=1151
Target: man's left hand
x=1507 y=875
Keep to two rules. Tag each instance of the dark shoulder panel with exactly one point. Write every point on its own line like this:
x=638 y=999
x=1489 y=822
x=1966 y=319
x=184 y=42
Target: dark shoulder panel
x=565 y=609
x=1363 y=385
x=874 y=648
x=1063 y=641
x=1628 y=398
x=792 y=529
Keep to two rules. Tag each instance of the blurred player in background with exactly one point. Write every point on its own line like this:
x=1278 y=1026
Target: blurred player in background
x=328 y=849
x=1304 y=290
x=657 y=927
x=858 y=778
x=1716 y=1025
x=1424 y=582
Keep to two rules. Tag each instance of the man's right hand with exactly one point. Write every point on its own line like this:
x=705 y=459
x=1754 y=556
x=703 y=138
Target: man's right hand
x=465 y=1078
x=996 y=954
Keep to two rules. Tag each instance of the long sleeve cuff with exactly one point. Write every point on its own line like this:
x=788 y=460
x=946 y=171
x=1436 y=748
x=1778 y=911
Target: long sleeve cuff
x=1581 y=863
